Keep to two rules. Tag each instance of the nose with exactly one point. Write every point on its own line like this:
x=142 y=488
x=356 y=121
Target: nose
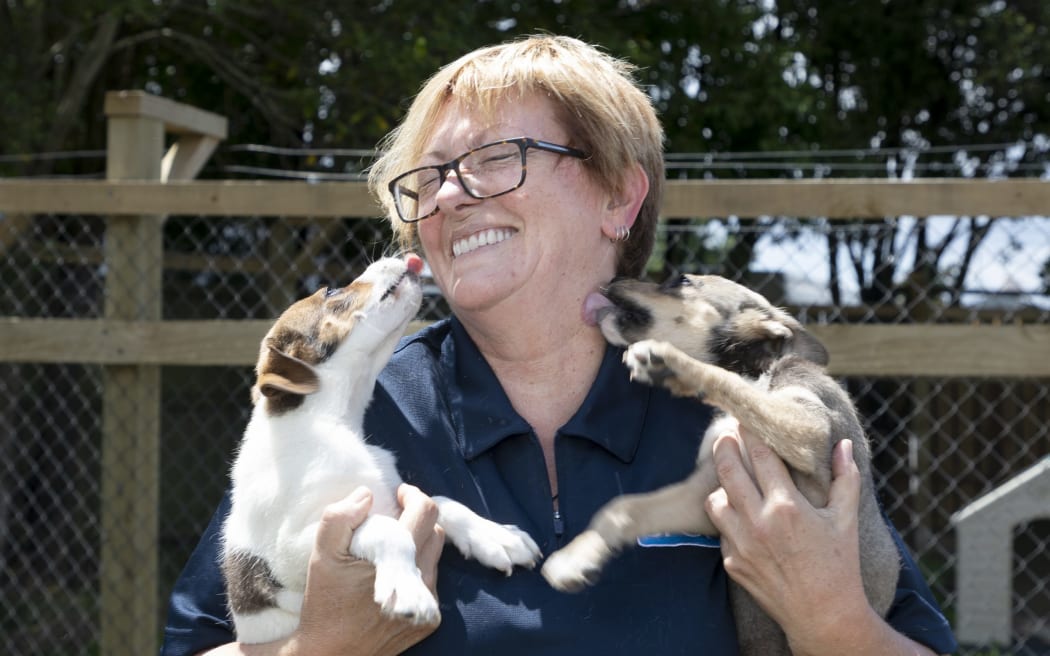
x=452 y=193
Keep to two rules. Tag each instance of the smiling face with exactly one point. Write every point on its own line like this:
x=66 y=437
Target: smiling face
x=541 y=243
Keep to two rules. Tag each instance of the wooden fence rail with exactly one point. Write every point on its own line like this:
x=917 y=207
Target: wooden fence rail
x=913 y=350
x=840 y=198
x=904 y=350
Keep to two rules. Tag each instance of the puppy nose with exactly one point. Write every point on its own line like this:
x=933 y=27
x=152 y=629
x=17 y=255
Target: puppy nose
x=414 y=263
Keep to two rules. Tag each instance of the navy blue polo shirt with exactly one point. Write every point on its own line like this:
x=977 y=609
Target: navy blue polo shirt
x=439 y=407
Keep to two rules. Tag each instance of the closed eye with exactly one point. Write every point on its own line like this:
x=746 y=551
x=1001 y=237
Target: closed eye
x=499 y=159
x=674 y=282
x=429 y=188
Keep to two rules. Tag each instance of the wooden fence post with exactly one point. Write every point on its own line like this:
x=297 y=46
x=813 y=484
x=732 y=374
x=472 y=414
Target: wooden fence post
x=131 y=400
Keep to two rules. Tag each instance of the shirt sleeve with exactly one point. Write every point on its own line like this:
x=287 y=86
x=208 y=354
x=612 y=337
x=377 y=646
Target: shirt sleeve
x=915 y=612
x=197 y=615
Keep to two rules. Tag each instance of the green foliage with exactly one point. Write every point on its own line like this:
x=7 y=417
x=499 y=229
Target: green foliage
x=726 y=74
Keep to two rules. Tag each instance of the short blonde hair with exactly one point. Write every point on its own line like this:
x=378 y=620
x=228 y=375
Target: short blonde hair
x=599 y=104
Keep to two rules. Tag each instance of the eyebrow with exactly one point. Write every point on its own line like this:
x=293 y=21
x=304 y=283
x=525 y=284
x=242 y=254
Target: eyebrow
x=443 y=157
x=473 y=141
x=434 y=154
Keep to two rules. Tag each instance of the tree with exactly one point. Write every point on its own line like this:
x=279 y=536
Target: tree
x=727 y=75
x=907 y=76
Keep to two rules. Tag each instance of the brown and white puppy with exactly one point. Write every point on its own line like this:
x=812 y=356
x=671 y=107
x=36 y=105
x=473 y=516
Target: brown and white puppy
x=304 y=449
x=710 y=338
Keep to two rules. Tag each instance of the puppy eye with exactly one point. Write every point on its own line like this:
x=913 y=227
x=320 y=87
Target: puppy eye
x=329 y=292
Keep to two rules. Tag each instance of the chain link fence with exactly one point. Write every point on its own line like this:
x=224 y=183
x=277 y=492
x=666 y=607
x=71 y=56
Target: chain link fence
x=939 y=443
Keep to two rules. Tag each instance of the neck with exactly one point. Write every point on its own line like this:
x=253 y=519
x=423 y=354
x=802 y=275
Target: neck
x=546 y=367
x=546 y=364
x=346 y=393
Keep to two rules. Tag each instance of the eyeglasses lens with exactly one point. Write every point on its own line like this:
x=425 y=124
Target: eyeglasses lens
x=488 y=171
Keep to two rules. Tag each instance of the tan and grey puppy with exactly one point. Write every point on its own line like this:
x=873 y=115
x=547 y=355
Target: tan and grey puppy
x=304 y=448
x=710 y=338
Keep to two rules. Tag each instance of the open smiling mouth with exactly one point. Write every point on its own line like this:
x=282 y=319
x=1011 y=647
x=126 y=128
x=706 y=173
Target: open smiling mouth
x=479 y=239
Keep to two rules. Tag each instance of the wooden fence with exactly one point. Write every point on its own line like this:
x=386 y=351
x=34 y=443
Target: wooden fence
x=131 y=340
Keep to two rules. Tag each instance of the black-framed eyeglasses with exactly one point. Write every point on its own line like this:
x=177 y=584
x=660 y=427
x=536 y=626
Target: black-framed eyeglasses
x=487 y=171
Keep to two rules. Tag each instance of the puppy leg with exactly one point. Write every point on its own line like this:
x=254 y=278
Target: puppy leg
x=792 y=421
x=262 y=609
x=399 y=587
x=494 y=545
x=677 y=508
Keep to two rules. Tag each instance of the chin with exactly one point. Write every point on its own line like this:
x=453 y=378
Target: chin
x=470 y=301
x=476 y=293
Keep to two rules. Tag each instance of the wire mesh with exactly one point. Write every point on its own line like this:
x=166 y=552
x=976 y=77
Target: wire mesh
x=939 y=443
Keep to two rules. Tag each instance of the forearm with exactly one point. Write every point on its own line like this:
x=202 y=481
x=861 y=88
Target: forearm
x=291 y=646
x=286 y=647
x=865 y=634
x=237 y=649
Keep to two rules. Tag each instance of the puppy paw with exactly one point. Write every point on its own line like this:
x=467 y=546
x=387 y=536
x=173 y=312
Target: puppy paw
x=403 y=595
x=578 y=564
x=648 y=363
x=500 y=547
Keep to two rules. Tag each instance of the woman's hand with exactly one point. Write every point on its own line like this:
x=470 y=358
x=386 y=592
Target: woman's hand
x=800 y=563
x=339 y=614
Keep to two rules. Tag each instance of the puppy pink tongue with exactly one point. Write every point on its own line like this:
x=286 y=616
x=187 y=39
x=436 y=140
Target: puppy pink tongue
x=591 y=305
x=414 y=263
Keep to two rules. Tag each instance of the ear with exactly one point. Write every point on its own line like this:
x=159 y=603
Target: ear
x=788 y=337
x=770 y=336
x=753 y=326
x=806 y=346
x=624 y=203
x=285 y=374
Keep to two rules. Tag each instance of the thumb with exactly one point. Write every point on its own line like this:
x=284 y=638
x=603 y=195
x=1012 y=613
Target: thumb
x=844 y=494
x=339 y=520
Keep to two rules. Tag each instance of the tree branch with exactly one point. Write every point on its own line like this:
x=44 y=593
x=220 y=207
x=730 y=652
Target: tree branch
x=71 y=106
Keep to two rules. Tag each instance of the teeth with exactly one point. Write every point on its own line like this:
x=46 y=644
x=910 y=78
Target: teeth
x=479 y=239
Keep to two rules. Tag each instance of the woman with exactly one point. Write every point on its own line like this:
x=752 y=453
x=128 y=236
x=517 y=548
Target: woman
x=517 y=407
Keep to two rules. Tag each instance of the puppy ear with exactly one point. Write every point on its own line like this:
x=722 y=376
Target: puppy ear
x=780 y=335
x=285 y=374
x=755 y=326
x=806 y=346
x=773 y=336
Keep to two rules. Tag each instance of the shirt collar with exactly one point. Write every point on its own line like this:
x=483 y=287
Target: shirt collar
x=612 y=414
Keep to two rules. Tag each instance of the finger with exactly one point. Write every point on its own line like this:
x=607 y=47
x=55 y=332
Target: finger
x=339 y=520
x=740 y=490
x=428 y=555
x=845 y=479
x=771 y=474
x=721 y=512
x=419 y=513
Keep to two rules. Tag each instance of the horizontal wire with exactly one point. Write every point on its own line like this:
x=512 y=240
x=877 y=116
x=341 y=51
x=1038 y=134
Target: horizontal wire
x=291 y=173
x=303 y=152
x=57 y=155
x=739 y=160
